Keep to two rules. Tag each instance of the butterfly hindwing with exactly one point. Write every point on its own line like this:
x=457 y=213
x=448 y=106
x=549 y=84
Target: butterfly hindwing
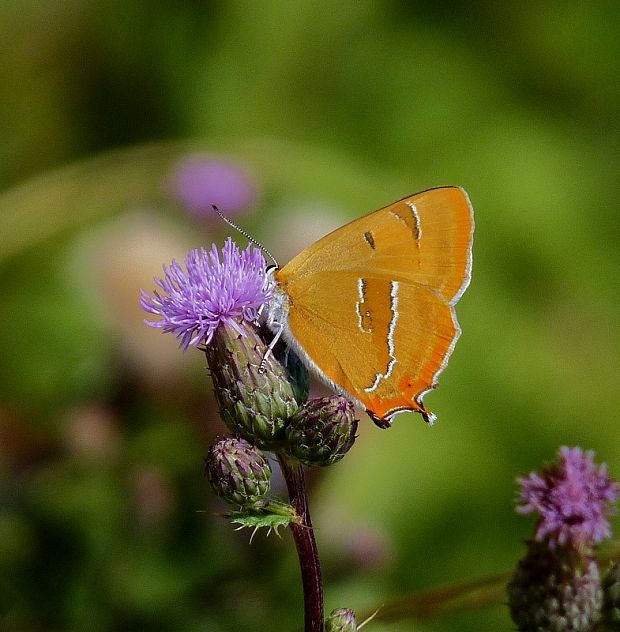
x=384 y=357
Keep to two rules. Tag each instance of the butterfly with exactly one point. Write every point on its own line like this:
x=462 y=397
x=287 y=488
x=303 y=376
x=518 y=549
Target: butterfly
x=370 y=306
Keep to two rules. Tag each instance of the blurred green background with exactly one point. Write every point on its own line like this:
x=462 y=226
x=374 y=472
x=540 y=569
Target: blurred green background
x=330 y=110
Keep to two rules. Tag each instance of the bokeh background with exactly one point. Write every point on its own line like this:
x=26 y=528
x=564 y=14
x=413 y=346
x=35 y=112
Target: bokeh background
x=118 y=119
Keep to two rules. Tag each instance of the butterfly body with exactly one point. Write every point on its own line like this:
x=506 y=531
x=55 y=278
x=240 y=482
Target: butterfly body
x=370 y=306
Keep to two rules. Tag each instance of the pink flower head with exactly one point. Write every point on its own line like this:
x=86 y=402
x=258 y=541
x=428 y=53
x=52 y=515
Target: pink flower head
x=210 y=292
x=573 y=498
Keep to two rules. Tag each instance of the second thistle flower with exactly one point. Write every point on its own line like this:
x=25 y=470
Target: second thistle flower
x=557 y=585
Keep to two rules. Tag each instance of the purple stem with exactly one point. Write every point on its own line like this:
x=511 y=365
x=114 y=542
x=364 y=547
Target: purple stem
x=303 y=534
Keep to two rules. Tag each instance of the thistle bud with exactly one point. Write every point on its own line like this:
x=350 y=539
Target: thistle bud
x=341 y=620
x=254 y=404
x=238 y=472
x=557 y=589
x=322 y=431
x=611 y=597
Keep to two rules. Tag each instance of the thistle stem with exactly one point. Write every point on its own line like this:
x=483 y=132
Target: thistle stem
x=307 y=551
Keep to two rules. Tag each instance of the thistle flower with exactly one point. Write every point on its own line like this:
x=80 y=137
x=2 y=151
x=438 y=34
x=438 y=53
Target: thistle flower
x=238 y=472
x=210 y=292
x=573 y=498
x=200 y=181
x=322 y=431
x=557 y=586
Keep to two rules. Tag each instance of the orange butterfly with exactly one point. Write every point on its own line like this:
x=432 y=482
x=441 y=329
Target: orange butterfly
x=370 y=306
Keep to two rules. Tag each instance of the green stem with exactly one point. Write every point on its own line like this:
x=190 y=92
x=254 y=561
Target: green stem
x=307 y=551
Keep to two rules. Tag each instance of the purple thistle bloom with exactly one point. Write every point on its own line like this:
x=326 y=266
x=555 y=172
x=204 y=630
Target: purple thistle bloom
x=209 y=293
x=573 y=498
x=200 y=182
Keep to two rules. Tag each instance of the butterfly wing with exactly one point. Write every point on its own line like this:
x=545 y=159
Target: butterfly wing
x=371 y=305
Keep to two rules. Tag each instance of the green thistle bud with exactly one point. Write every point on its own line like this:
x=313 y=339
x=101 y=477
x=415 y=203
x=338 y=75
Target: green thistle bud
x=238 y=472
x=611 y=597
x=322 y=431
x=341 y=620
x=557 y=590
x=254 y=405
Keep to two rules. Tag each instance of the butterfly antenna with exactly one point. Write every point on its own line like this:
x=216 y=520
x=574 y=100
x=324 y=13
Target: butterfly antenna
x=244 y=233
